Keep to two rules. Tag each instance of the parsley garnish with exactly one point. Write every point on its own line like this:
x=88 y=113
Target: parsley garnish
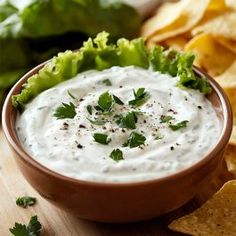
x=180 y=125
x=90 y=109
x=71 y=95
x=134 y=140
x=107 y=82
x=32 y=229
x=65 y=111
x=101 y=138
x=117 y=100
x=165 y=119
x=127 y=120
x=140 y=97
x=97 y=122
x=116 y=155
x=105 y=102
x=158 y=137
x=25 y=201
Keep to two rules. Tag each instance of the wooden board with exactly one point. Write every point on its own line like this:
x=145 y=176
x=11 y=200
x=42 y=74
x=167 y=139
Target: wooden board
x=57 y=222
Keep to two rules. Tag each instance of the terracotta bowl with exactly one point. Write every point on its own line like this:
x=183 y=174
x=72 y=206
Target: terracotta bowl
x=119 y=202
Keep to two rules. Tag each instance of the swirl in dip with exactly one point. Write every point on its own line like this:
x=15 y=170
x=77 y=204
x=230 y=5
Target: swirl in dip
x=167 y=128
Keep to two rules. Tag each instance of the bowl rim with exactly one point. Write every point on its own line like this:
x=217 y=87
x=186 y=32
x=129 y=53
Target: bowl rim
x=11 y=136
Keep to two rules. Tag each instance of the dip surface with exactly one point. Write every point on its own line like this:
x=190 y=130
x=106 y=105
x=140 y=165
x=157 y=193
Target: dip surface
x=67 y=146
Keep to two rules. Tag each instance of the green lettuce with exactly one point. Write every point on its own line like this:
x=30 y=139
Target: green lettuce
x=98 y=54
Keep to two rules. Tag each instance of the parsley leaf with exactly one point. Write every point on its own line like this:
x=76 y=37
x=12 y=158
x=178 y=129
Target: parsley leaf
x=89 y=109
x=116 y=155
x=165 y=119
x=19 y=230
x=32 y=229
x=180 y=125
x=98 y=108
x=134 y=140
x=127 y=120
x=65 y=111
x=107 y=82
x=117 y=100
x=140 y=97
x=158 y=137
x=101 y=138
x=97 y=122
x=25 y=201
x=105 y=102
x=71 y=95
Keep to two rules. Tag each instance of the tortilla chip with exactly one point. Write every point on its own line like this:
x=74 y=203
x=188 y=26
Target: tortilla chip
x=217 y=217
x=221 y=26
x=160 y=21
x=230 y=158
x=217 y=5
x=231 y=4
x=227 y=80
x=210 y=55
x=228 y=43
x=184 y=15
x=233 y=138
x=177 y=42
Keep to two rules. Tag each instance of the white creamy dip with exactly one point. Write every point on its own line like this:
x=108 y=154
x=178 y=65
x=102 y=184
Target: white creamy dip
x=67 y=146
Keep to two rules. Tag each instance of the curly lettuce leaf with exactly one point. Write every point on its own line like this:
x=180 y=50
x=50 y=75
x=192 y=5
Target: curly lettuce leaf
x=98 y=54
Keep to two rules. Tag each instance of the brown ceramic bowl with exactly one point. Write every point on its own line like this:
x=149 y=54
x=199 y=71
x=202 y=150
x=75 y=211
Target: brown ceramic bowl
x=119 y=202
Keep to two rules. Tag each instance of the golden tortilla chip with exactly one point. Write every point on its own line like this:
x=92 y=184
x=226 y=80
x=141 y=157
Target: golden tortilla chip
x=217 y=5
x=230 y=158
x=231 y=4
x=227 y=80
x=233 y=138
x=228 y=43
x=217 y=217
x=221 y=26
x=177 y=42
x=210 y=55
x=184 y=15
x=159 y=20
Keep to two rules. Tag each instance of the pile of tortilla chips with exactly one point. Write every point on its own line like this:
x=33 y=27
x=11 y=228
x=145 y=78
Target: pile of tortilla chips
x=208 y=29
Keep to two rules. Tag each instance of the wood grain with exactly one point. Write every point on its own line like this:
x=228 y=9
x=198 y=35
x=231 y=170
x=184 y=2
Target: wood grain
x=59 y=223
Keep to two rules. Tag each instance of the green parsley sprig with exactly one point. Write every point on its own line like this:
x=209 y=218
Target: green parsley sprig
x=107 y=82
x=117 y=100
x=89 y=109
x=101 y=138
x=127 y=120
x=116 y=155
x=105 y=102
x=140 y=97
x=25 y=201
x=180 y=125
x=97 y=121
x=32 y=229
x=135 y=140
x=65 y=111
x=165 y=119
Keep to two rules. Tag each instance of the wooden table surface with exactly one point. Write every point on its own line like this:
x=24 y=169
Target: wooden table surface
x=57 y=222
